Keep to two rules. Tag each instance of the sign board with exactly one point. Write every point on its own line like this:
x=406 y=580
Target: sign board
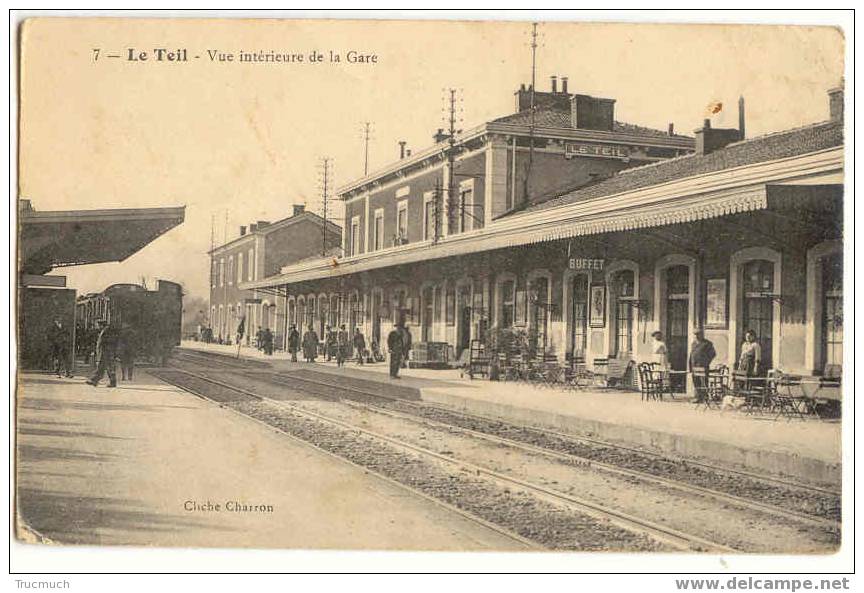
x=581 y=263
x=608 y=151
x=252 y=301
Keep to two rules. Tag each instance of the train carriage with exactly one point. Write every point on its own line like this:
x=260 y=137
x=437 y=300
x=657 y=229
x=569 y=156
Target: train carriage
x=153 y=317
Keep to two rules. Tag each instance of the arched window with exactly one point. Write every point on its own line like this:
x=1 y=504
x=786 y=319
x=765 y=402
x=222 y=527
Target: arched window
x=755 y=302
x=539 y=309
x=506 y=298
x=824 y=338
x=578 y=314
x=292 y=312
x=622 y=289
x=757 y=314
x=831 y=322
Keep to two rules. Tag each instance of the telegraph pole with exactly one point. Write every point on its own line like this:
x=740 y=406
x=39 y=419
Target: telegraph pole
x=451 y=160
x=366 y=129
x=533 y=114
x=326 y=172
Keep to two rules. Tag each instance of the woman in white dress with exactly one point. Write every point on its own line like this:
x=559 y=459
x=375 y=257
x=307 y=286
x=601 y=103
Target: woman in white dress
x=660 y=352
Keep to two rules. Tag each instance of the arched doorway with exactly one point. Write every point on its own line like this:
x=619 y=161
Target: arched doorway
x=757 y=313
x=676 y=330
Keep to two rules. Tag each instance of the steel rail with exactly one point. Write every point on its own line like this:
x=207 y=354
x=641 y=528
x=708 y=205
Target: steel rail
x=629 y=522
x=447 y=506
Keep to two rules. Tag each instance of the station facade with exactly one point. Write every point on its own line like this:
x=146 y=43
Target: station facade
x=261 y=250
x=731 y=234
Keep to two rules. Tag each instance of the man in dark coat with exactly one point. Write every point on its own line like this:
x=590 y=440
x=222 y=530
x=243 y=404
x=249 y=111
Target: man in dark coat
x=58 y=339
x=106 y=352
x=310 y=345
x=406 y=344
x=701 y=354
x=126 y=351
x=293 y=342
x=343 y=345
x=396 y=348
x=359 y=345
x=268 y=342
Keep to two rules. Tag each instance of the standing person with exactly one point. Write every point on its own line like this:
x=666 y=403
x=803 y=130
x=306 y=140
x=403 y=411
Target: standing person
x=310 y=345
x=343 y=345
x=58 y=338
x=701 y=354
x=395 y=346
x=330 y=343
x=259 y=338
x=126 y=352
x=268 y=342
x=660 y=351
x=106 y=352
x=359 y=345
x=293 y=342
x=750 y=360
x=406 y=344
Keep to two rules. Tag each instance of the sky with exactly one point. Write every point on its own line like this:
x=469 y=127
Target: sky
x=237 y=142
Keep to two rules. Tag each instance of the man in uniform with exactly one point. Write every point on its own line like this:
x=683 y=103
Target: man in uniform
x=395 y=346
x=106 y=351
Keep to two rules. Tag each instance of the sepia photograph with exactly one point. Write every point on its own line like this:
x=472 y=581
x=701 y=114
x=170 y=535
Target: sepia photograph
x=432 y=285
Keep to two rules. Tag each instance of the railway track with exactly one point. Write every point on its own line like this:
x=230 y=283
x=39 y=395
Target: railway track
x=769 y=494
x=675 y=538
x=531 y=512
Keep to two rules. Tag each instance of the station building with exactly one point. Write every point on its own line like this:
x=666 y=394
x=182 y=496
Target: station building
x=259 y=251
x=716 y=232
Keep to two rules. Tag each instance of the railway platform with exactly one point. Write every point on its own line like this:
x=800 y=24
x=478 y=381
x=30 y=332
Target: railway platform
x=808 y=451
x=146 y=463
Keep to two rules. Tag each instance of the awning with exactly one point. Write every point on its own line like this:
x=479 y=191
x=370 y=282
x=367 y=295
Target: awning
x=695 y=198
x=53 y=239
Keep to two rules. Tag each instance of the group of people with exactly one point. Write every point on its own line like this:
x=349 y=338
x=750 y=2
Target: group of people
x=702 y=353
x=264 y=340
x=112 y=345
x=338 y=344
x=108 y=346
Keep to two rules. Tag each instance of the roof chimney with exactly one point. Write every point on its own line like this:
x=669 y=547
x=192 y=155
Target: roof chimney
x=835 y=104
x=402 y=144
x=299 y=209
x=592 y=113
x=671 y=130
x=407 y=152
x=253 y=227
x=709 y=139
x=554 y=83
x=564 y=84
x=741 y=117
x=263 y=223
x=242 y=230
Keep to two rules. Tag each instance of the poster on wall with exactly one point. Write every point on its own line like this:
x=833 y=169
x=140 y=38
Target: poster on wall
x=715 y=301
x=598 y=305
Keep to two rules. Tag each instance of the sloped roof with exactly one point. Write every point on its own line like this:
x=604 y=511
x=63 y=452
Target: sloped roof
x=50 y=239
x=773 y=146
x=546 y=116
x=333 y=228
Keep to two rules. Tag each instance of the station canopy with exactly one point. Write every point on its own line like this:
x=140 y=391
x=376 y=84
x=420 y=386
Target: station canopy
x=51 y=239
